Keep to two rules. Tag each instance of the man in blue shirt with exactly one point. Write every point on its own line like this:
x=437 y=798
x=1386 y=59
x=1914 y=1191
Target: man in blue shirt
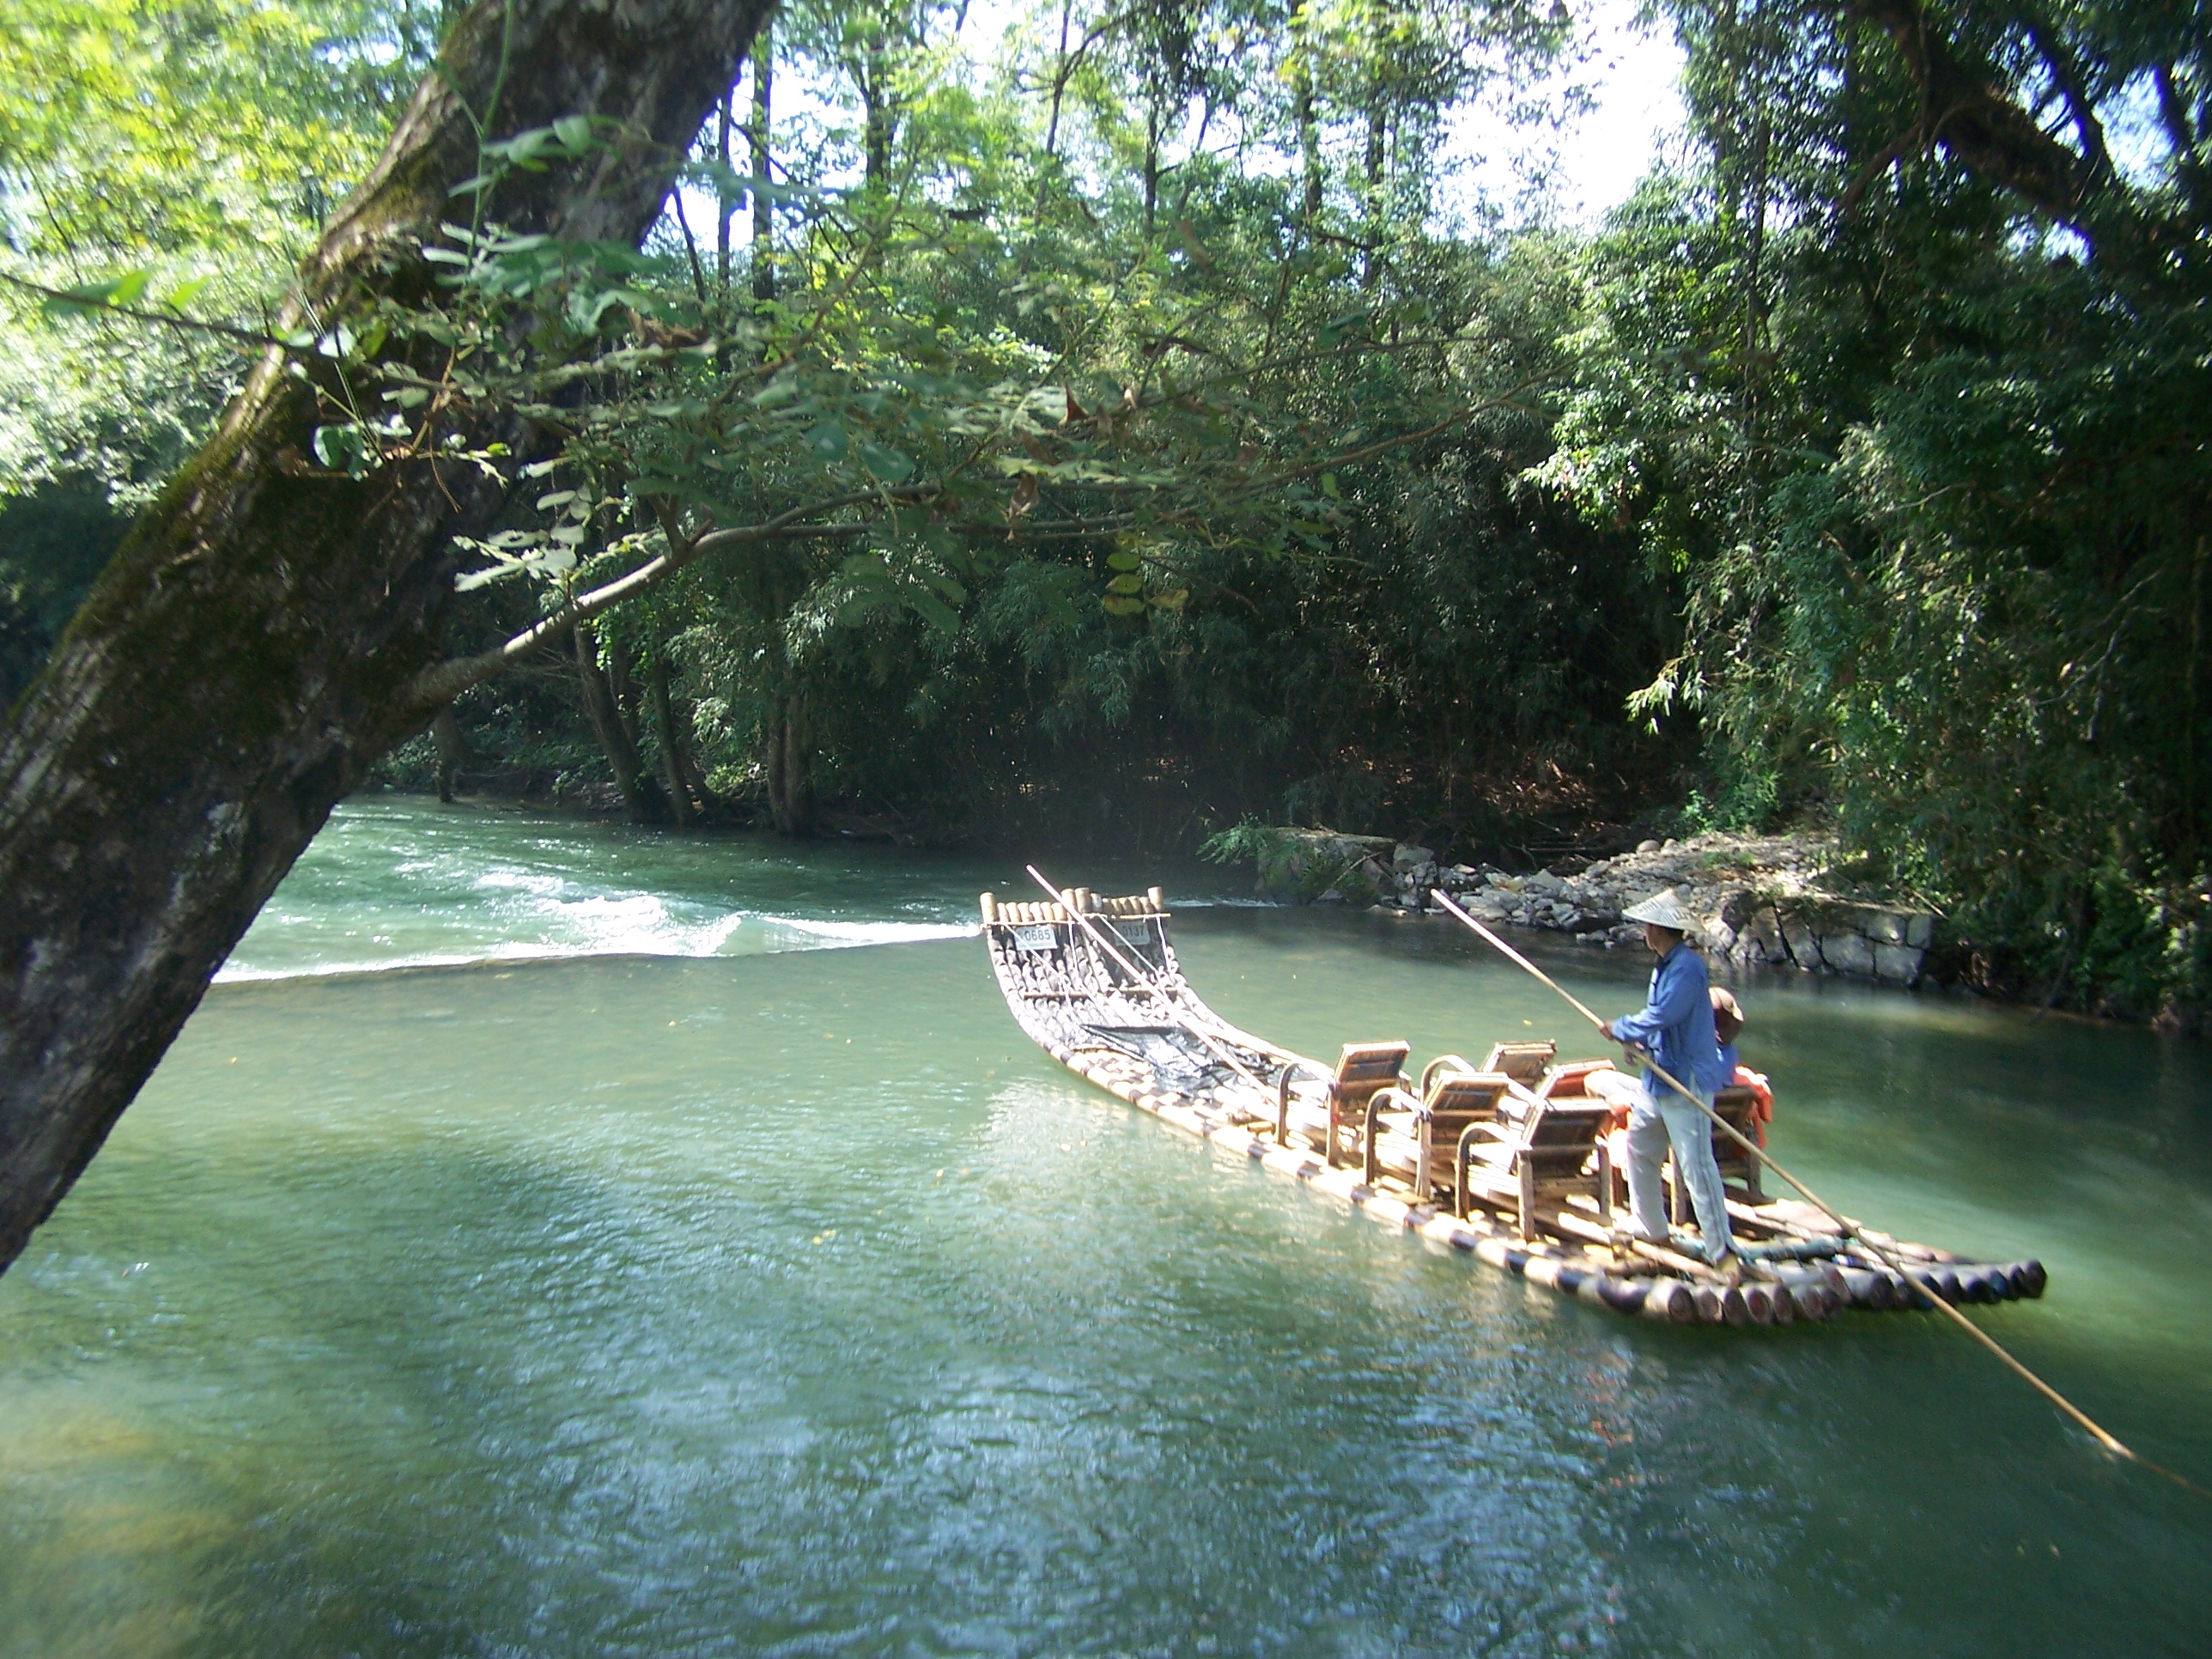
x=1674 y=1030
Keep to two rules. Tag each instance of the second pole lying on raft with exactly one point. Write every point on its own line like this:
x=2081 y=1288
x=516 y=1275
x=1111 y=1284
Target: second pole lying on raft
x=1850 y=1229
x=1066 y=900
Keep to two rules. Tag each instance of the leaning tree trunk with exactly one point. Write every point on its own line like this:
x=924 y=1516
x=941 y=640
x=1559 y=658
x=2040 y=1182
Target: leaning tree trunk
x=247 y=653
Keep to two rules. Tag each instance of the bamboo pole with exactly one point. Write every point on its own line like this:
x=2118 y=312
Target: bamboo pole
x=1850 y=1229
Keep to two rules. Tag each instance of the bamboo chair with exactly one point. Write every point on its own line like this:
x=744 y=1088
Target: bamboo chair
x=1363 y=1070
x=1524 y=1062
x=1411 y=1136
x=1523 y=1166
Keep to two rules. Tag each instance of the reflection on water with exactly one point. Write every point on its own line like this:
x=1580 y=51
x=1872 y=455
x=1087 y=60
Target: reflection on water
x=794 y=1305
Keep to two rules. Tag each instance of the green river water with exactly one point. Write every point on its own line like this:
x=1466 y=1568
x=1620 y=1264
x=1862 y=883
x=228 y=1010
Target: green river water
x=654 y=1282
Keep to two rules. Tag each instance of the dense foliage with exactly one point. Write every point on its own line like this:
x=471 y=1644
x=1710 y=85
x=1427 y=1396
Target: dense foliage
x=1106 y=431
x=1914 y=395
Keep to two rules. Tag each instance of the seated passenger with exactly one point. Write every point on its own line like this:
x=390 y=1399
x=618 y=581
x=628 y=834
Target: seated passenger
x=1728 y=1024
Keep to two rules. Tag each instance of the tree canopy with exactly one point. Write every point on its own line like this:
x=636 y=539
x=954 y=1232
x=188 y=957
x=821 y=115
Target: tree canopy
x=1129 y=424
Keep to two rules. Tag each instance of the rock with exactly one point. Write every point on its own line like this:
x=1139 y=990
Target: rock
x=1760 y=939
x=1647 y=846
x=1920 y=932
x=1898 y=963
x=1486 y=909
x=1331 y=896
x=1407 y=856
x=1803 y=947
x=1848 y=953
x=1884 y=927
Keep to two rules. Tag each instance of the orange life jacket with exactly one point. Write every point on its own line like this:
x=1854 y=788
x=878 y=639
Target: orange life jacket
x=1762 y=1111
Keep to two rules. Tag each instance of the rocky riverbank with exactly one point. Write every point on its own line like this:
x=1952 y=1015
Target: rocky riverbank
x=1776 y=900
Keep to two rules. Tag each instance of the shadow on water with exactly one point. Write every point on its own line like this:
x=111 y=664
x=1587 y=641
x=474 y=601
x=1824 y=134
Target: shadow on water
x=794 y=1305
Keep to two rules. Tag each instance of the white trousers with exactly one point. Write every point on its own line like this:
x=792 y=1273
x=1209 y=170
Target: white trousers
x=1655 y=1125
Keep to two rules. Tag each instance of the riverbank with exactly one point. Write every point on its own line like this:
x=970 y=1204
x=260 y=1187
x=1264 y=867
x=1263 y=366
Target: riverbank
x=1785 y=900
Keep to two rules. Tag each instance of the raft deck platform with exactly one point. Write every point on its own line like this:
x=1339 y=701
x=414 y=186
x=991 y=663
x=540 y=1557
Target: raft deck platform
x=1513 y=1162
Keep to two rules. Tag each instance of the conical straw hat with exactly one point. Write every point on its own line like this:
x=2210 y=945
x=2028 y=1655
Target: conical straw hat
x=1662 y=909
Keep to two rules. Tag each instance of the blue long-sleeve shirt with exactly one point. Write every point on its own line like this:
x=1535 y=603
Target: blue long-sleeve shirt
x=1676 y=1024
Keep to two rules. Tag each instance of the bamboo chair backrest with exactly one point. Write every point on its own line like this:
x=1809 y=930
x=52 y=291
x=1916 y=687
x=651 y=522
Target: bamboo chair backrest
x=1524 y=1062
x=1365 y=1069
x=1734 y=1106
x=1559 y=1134
x=1459 y=1099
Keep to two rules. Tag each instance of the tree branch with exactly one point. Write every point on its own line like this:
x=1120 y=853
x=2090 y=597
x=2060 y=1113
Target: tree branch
x=442 y=682
x=175 y=319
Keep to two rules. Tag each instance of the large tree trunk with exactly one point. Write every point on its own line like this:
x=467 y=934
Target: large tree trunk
x=617 y=739
x=763 y=206
x=790 y=757
x=674 y=782
x=246 y=655
x=452 y=751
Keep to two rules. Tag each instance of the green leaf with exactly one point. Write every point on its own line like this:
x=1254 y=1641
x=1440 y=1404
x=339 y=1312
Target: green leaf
x=343 y=448
x=1128 y=584
x=1124 y=562
x=575 y=133
x=888 y=465
x=1121 y=605
x=934 y=612
x=1174 y=601
x=1328 y=487
x=185 y=292
x=129 y=287
x=859 y=605
x=945 y=588
x=828 y=441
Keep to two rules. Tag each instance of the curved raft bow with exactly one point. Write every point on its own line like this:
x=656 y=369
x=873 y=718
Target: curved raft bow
x=1508 y=1162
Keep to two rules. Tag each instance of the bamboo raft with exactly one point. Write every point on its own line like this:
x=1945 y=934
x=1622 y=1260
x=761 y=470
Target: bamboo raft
x=1513 y=1162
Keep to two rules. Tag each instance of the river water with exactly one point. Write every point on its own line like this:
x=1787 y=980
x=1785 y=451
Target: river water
x=656 y=1284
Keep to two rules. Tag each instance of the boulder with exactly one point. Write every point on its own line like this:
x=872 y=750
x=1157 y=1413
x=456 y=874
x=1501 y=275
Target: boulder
x=1407 y=856
x=1760 y=939
x=1735 y=906
x=1848 y=953
x=1886 y=927
x=1898 y=963
x=1803 y=944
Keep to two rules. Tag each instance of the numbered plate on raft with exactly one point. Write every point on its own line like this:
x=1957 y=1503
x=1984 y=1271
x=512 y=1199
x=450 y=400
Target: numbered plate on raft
x=1035 y=938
